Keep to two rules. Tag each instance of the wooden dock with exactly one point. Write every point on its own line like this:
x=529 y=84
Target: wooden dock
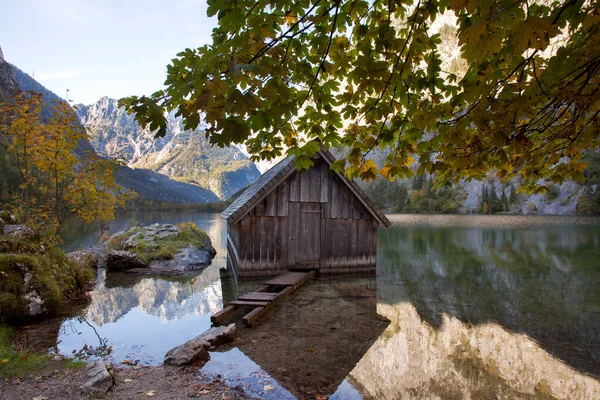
x=263 y=299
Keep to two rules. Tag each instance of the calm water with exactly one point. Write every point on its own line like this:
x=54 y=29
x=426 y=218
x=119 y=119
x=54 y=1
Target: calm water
x=478 y=307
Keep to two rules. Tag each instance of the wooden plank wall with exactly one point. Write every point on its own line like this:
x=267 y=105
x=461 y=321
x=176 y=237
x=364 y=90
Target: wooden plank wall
x=265 y=238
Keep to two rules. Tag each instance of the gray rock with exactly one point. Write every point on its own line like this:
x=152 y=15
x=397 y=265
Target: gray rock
x=195 y=350
x=191 y=352
x=85 y=257
x=116 y=260
x=35 y=304
x=99 y=379
x=149 y=233
x=18 y=231
x=219 y=335
x=187 y=259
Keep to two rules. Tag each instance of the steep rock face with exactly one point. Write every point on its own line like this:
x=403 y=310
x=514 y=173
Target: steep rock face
x=8 y=84
x=182 y=155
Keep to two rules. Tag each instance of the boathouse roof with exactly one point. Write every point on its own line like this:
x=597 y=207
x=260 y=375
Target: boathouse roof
x=276 y=175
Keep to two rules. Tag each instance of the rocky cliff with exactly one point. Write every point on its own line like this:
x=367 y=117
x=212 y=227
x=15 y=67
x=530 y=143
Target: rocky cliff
x=181 y=155
x=8 y=84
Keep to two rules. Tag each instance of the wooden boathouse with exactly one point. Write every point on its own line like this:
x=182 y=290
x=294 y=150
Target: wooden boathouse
x=314 y=219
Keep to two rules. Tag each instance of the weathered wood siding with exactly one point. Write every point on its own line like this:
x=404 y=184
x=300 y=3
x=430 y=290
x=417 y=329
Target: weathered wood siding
x=312 y=220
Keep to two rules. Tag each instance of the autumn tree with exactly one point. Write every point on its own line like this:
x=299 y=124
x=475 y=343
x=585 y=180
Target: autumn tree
x=55 y=182
x=279 y=75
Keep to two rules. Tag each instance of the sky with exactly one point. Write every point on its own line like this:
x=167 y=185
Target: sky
x=97 y=48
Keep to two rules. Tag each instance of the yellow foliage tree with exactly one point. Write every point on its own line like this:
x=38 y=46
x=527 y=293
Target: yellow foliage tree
x=56 y=182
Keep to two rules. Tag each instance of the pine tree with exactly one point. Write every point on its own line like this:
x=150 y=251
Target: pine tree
x=504 y=201
x=484 y=208
x=512 y=198
x=493 y=200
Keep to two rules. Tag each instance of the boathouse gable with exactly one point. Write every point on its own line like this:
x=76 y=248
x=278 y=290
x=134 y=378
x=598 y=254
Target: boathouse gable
x=302 y=220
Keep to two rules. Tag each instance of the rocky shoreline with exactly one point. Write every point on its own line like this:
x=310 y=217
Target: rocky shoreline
x=130 y=382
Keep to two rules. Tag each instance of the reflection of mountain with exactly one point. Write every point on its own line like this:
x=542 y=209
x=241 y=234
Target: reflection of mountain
x=412 y=359
x=168 y=300
x=542 y=282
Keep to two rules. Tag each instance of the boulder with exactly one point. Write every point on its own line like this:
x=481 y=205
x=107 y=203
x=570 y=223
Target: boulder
x=195 y=350
x=191 y=352
x=117 y=260
x=99 y=378
x=219 y=335
x=22 y=231
x=187 y=259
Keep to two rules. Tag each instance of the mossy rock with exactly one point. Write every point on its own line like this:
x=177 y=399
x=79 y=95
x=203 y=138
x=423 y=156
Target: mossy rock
x=31 y=271
x=180 y=247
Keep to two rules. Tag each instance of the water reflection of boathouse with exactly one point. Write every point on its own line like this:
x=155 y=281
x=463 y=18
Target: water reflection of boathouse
x=310 y=219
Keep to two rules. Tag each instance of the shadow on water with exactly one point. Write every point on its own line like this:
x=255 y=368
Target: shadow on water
x=540 y=280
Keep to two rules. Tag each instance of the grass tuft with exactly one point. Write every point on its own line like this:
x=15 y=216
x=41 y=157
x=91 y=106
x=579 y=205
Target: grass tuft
x=15 y=363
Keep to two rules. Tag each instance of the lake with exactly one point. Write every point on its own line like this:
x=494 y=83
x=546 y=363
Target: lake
x=461 y=307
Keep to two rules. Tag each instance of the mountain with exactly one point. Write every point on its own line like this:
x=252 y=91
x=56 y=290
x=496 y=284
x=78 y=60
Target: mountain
x=148 y=184
x=181 y=155
x=8 y=83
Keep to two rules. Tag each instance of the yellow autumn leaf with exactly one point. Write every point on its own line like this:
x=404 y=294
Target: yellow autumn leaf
x=385 y=171
x=290 y=18
x=5 y=360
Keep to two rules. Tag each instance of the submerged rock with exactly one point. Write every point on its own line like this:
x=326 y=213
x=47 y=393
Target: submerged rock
x=99 y=378
x=195 y=350
x=119 y=260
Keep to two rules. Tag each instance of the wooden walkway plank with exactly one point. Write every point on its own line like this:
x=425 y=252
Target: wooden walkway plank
x=218 y=317
x=258 y=296
x=264 y=298
x=287 y=279
x=248 y=303
x=254 y=315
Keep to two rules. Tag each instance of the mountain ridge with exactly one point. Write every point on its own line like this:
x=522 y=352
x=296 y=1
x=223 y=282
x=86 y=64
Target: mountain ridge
x=181 y=155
